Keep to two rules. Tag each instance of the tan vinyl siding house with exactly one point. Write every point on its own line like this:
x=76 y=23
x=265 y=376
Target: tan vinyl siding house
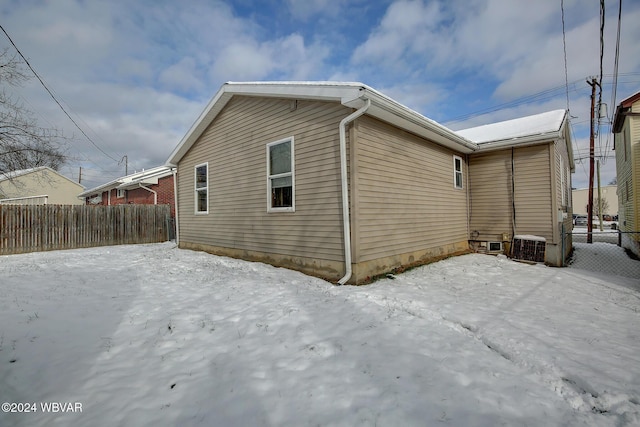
x=237 y=222
x=626 y=130
x=40 y=185
x=405 y=206
x=332 y=179
x=520 y=183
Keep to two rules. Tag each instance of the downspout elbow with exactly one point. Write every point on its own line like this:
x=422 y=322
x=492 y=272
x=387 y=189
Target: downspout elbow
x=346 y=221
x=155 y=193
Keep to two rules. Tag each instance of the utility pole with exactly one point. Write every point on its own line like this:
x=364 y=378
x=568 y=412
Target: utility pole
x=80 y=176
x=593 y=84
x=599 y=195
x=125 y=159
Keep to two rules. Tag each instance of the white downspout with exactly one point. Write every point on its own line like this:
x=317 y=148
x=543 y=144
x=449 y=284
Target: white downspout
x=175 y=202
x=155 y=193
x=346 y=222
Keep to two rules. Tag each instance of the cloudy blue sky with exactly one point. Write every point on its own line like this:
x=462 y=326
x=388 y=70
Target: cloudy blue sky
x=135 y=74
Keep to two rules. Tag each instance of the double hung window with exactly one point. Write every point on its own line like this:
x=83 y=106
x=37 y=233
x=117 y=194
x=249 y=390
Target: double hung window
x=280 y=176
x=202 y=188
x=457 y=172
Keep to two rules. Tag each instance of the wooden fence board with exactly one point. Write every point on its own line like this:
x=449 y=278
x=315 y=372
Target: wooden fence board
x=32 y=228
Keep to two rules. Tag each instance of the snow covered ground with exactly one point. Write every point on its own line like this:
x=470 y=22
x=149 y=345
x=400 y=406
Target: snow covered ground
x=152 y=335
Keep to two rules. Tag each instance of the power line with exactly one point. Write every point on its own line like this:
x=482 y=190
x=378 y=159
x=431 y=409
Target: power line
x=52 y=96
x=540 y=96
x=602 y=21
x=614 y=89
x=564 y=45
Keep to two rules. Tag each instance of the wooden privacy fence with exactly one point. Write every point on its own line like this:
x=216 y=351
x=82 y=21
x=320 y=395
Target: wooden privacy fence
x=49 y=227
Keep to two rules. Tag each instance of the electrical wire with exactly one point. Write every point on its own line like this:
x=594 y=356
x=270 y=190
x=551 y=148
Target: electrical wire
x=53 y=96
x=564 y=46
x=614 y=88
x=599 y=104
x=536 y=97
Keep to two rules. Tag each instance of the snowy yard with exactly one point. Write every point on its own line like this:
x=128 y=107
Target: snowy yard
x=152 y=335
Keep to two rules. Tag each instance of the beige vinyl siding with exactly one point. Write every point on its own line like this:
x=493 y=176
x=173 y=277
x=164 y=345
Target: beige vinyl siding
x=490 y=190
x=403 y=195
x=43 y=182
x=627 y=146
x=634 y=188
x=533 y=192
x=234 y=145
x=562 y=174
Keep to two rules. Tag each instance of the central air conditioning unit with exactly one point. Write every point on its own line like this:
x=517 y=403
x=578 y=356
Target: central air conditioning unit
x=529 y=248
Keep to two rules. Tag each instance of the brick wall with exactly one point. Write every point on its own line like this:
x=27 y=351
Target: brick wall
x=140 y=196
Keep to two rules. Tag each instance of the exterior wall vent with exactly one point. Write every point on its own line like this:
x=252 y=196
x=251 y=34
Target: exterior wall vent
x=495 y=246
x=529 y=248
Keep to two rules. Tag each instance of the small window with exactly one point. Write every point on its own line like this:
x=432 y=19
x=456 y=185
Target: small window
x=563 y=186
x=495 y=246
x=202 y=188
x=120 y=193
x=280 y=176
x=457 y=172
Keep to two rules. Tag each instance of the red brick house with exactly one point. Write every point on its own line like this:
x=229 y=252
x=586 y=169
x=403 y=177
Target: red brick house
x=150 y=187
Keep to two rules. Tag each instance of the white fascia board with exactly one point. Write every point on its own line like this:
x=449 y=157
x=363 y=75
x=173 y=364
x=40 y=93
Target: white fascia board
x=519 y=141
x=349 y=94
x=397 y=114
x=321 y=91
x=100 y=189
x=157 y=172
x=212 y=109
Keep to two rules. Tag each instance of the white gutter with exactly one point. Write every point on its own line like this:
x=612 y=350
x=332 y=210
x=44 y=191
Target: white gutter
x=155 y=193
x=346 y=221
x=522 y=141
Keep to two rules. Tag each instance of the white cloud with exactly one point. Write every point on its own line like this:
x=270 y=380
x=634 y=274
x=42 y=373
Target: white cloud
x=305 y=9
x=395 y=37
x=182 y=76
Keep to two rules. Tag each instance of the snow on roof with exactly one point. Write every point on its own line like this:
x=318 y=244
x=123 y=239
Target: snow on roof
x=17 y=173
x=136 y=177
x=45 y=170
x=539 y=124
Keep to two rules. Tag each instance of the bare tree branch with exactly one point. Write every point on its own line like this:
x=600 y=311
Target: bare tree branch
x=23 y=144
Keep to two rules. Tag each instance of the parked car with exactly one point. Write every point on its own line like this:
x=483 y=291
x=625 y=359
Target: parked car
x=580 y=221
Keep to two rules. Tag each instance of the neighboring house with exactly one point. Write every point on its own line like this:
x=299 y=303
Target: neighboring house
x=38 y=186
x=150 y=187
x=520 y=182
x=609 y=196
x=339 y=181
x=626 y=130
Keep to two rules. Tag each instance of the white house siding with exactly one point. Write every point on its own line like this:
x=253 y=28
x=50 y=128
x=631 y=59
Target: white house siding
x=628 y=173
x=403 y=198
x=238 y=224
x=635 y=175
x=627 y=148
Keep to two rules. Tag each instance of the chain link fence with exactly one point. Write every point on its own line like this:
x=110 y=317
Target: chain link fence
x=608 y=252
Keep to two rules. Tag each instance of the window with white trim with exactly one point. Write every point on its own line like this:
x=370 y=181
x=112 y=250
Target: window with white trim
x=201 y=173
x=457 y=172
x=120 y=193
x=280 y=176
